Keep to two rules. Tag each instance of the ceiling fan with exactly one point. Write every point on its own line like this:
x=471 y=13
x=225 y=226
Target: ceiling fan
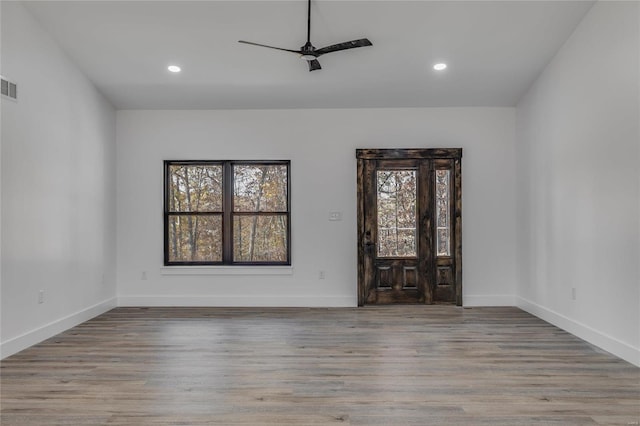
x=309 y=53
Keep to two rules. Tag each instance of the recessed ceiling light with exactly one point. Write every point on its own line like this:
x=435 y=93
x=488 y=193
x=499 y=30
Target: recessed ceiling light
x=439 y=67
x=174 y=68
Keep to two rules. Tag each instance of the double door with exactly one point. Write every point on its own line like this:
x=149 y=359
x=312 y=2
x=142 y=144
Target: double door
x=409 y=226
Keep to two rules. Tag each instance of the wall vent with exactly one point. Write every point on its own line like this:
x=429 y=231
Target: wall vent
x=9 y=89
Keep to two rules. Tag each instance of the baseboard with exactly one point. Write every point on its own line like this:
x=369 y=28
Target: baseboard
x=489 y=300
x=591 y=335
x=241 y=301
x=33 y=337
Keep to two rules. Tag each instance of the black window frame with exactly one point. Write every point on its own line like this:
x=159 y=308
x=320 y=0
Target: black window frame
x=227 y=213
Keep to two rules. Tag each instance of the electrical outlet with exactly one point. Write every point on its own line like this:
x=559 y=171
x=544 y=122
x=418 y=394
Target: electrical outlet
x=573 y=293
x=41 y=297
x=143 y=276
x=321 y=275
x=335 y=216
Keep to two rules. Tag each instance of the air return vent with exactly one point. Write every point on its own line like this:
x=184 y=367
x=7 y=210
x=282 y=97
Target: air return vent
x=9 y=89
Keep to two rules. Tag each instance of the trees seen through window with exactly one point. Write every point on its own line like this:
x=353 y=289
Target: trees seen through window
x=227 y=212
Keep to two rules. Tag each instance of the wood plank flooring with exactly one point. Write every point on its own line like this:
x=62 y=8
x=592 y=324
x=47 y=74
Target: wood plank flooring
x=393 y=365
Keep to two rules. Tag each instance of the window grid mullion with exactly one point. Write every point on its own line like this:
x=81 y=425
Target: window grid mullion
x=227 y=219
x=260 y=213
x=179 y=213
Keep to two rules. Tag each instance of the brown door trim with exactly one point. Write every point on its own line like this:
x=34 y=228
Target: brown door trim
x=408 y=153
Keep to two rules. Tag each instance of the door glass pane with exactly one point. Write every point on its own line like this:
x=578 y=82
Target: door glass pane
x=443 y=212
x=396 y=195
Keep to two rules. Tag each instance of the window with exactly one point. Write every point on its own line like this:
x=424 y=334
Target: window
x=227 y=213
x=396 y=210
x=443 y=213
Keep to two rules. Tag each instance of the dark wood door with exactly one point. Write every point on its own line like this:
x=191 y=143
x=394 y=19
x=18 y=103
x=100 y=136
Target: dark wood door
x=409 y=223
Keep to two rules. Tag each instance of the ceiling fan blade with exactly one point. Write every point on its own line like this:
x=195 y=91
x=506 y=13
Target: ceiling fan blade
x=314 y=65
x=343 y=46
x=270 y=47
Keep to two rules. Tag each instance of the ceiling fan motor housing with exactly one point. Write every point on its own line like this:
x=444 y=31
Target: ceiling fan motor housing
x=308 y=52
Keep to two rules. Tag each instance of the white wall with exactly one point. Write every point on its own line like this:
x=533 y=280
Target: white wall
x=1 y=103
x=58 y=189
x=578 y=162
x=321 y=146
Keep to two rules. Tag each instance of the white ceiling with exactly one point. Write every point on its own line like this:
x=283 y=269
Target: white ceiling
x=494 y=49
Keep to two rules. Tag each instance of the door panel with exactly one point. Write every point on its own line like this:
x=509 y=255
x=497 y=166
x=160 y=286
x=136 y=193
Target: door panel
x=408 y=223
x=395 y=281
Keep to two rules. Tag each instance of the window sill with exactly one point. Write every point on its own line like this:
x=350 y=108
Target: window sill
x=226 y=270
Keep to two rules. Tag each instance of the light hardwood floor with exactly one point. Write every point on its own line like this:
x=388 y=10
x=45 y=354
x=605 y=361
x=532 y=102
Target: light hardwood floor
x=399 y=365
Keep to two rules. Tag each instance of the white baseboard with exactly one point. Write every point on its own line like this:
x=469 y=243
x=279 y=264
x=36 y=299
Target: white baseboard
x=33 y=337
x=489 y=300
x=242 y=301
x=591 y=335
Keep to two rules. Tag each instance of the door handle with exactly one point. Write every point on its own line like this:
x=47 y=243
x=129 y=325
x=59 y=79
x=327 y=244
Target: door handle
x=368 y=244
